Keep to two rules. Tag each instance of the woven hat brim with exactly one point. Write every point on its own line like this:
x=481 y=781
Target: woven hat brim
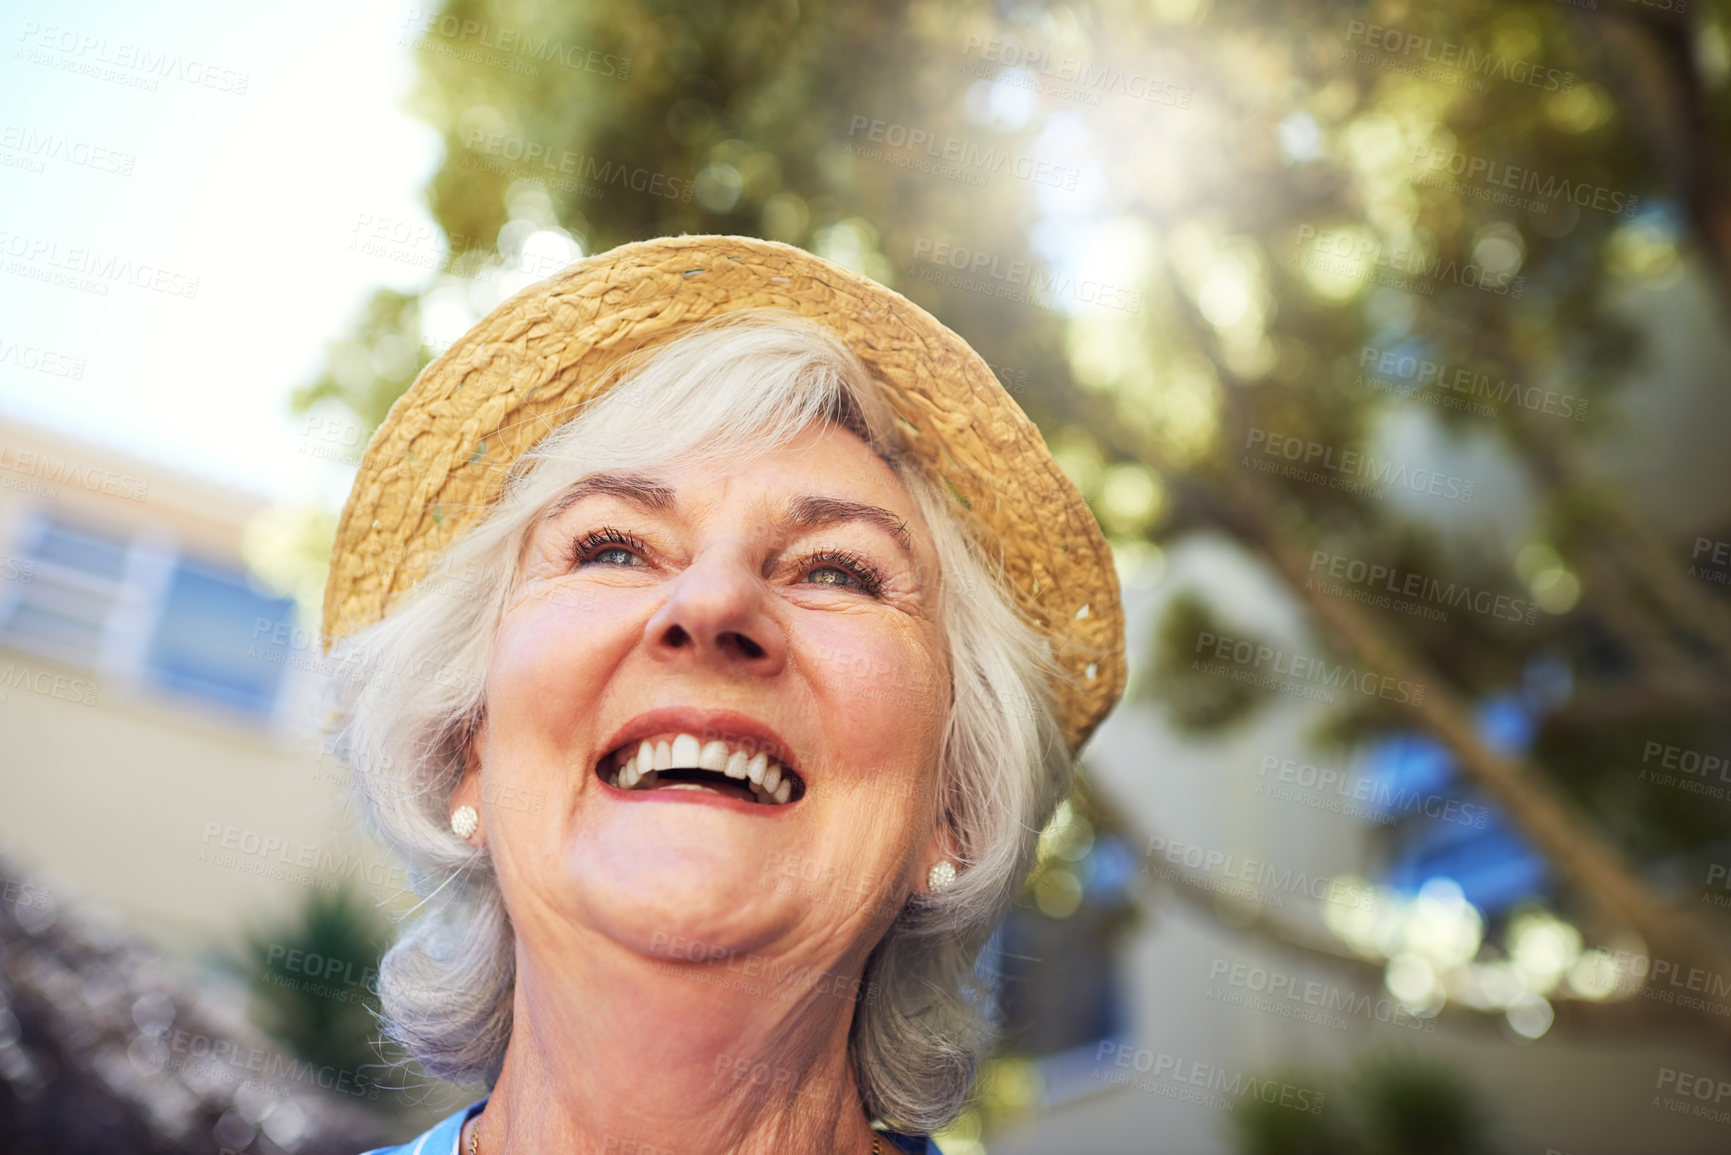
x=442 y=455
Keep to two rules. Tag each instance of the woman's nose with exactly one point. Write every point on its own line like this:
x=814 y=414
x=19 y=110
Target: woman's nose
x=716 y=615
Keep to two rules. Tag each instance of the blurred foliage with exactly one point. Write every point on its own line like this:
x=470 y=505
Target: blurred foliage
x=1200 y=705
x=373 y=366
x=1419 y=1107
x=288 y=548
x=314 y=982
x=1389 y=1105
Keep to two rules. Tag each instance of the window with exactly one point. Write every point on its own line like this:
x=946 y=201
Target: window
x=201 y=646
x=132 y=607
x=72 y=583
x=1054 y=965
x=1442 y=828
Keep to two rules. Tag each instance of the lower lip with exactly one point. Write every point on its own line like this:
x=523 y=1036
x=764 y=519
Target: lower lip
x=698 y=797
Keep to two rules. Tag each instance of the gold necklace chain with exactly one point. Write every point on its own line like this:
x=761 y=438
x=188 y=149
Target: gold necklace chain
x=475 y=1140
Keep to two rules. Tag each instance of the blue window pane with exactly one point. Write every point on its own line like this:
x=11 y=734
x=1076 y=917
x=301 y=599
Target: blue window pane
x=205 y=642
x=1110 y=870
x=1404 y=771
x=1494 y=866
x=1506 y=724
x=1415 y=777
x=1058 y=980
x=42 y=630
x=83 y=549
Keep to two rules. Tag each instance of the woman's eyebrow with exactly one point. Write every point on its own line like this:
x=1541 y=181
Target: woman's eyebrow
x=806 y=513
x=632 y=487
x=803 y=513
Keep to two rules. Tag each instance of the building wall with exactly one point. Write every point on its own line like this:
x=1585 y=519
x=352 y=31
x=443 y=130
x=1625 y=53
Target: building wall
x=187 y=819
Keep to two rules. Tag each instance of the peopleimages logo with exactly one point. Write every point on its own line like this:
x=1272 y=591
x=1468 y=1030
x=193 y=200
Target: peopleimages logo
x=303 y=863
x=1352 y=470
x=40 y=360
x=95 y=56
x=530 y=154
x=48 y=684
x=1305 y=1000
x=1305 y=668
x=1014 y=279
x=771 y=975
x=224 y=1061
x=1379 y=580
x=1250 y=874
x=1490 y=172
x=90 y=269
x=38 y=147
x=1687 y=770
x=59 y=471
x=1172 y=1076
x=1680 y=1087
x=1365 y=798
x=1419 y=373
x=314 y=973
x=1070 y=77
x=1461 y=58
x=954 y=149
x=419 y=27
x=1718 y=557
x=1346 y=253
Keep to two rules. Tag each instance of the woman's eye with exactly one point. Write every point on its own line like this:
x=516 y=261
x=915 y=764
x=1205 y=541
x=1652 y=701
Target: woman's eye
x=608 y=547
x=844 y=571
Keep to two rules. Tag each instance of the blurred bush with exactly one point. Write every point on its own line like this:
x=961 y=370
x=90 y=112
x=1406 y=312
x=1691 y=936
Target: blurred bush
x=1389 y=1105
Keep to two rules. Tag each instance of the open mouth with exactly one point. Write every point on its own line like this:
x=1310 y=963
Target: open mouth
x=732 y=767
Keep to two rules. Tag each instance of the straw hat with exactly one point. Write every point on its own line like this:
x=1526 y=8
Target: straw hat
x=442 y=455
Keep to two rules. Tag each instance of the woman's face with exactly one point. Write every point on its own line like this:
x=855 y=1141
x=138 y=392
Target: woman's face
x=778 y=613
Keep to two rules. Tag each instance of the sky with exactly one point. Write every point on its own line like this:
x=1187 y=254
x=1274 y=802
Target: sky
x=272 y=136
x=179 y=189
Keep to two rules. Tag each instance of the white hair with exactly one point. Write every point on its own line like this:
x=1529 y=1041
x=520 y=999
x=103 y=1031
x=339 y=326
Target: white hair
x=412 y=696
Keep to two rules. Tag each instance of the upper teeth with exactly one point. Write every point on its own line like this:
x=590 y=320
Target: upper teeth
x=683 y=751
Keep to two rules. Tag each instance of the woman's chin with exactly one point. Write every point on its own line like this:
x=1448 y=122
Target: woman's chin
x=681 y=889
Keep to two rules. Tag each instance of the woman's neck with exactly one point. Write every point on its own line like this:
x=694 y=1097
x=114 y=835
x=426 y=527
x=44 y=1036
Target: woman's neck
x=745 y=1054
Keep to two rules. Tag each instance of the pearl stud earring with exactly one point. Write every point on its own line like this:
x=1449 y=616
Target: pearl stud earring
x=941 y=877
x=464 y=820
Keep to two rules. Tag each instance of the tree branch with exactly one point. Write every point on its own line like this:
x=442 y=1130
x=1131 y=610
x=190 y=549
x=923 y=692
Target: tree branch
x=1558 y=827
x=1639 y=550
x=1660 y=78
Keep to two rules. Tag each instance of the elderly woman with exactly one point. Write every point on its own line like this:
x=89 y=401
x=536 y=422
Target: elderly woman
x=716 y=637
